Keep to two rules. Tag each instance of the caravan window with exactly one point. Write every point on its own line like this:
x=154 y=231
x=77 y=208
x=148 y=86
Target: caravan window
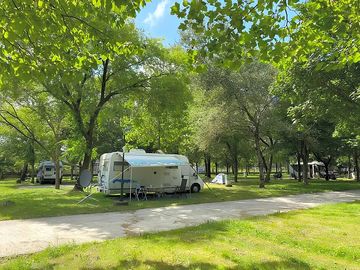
x=171 y=167
x=48 y=169
x=118 y=165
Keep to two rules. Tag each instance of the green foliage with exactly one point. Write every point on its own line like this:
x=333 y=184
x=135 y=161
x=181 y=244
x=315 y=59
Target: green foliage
x=320 y=31
x=62 y=37
x=158 y=119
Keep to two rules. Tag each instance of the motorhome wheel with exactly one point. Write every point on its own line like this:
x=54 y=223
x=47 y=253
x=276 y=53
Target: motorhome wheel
x=195 y=188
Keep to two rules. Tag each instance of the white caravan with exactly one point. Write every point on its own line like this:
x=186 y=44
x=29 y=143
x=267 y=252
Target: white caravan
x=47 y=172
x=156 y=172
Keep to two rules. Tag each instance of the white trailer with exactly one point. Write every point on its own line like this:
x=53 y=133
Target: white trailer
x=47 y=173
x=157 y=172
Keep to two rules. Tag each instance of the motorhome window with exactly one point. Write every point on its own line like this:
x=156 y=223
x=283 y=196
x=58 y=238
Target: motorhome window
x=48 y=169
x=171 y=167
x=118 y=165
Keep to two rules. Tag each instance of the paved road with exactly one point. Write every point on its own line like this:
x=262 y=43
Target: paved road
x=31 y=235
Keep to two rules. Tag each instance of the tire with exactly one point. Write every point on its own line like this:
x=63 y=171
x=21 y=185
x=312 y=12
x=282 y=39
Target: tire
x=195 y=188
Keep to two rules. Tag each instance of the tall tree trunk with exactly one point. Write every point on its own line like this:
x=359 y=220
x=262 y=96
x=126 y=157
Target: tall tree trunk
x=33 y=172
x=87 y=158
x=305 y=158
x=227 y=167
x=268 y=169
x=216 y=168
x=207 y=165
x=349 y=167
x=236 y=168
x=327 y=163
x=327 y=177
x=57 y=172
x=356 y=165
x=23 y=172
x=298 y=156
x=260 y=159
x=288 y=167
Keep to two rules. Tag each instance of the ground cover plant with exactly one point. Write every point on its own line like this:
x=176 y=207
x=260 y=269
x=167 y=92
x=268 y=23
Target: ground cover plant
x=43 y=201
x=320 y=238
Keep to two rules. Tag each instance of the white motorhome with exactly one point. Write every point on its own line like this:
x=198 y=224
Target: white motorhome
x=157 y=172
x=47 y=173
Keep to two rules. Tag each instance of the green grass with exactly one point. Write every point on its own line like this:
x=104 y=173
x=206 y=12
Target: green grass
x=325 y=237
x=43 y=202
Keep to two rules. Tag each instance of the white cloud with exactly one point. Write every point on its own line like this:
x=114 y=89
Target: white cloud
x=159 y=12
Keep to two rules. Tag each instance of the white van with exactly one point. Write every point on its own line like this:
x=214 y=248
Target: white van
x=47 y=173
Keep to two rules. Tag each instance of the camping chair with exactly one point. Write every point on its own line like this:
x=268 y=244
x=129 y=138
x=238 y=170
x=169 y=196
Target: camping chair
x=181 y=190
x=140 y=193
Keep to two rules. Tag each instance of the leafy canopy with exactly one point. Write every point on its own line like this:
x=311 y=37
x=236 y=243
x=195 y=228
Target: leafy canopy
x=326 y=32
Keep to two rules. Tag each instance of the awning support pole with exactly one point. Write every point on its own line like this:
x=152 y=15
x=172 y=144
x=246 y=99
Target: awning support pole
x=130 y=182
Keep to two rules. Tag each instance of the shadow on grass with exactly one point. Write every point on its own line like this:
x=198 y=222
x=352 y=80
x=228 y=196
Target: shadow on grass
x=288 y=264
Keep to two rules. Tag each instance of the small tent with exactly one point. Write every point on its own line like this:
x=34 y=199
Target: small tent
x=221 y=178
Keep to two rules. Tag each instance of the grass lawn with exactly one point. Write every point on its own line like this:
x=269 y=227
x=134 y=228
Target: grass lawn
x=42 y=202
x=325 y=237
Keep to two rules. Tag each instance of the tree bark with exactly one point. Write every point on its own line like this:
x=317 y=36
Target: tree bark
x=207 y=165
x=305 y=158
x=298 y=156
x=356 y=165
x=33 y=172
x=57 y=172
x=349 y=167
x=23 y=172
x=287 y=167
x=236 y=168
x=268 y=167
x=260 y=159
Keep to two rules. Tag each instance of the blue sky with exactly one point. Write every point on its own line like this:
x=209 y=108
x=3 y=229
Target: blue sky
x=156 y=21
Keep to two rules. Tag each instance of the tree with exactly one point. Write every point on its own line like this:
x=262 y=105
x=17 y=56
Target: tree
x=86 y=54
x=274 y=30
x=318 y=96
x=39 y=119
x=158 y=118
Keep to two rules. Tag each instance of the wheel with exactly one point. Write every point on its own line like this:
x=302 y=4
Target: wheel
x=195 y=188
